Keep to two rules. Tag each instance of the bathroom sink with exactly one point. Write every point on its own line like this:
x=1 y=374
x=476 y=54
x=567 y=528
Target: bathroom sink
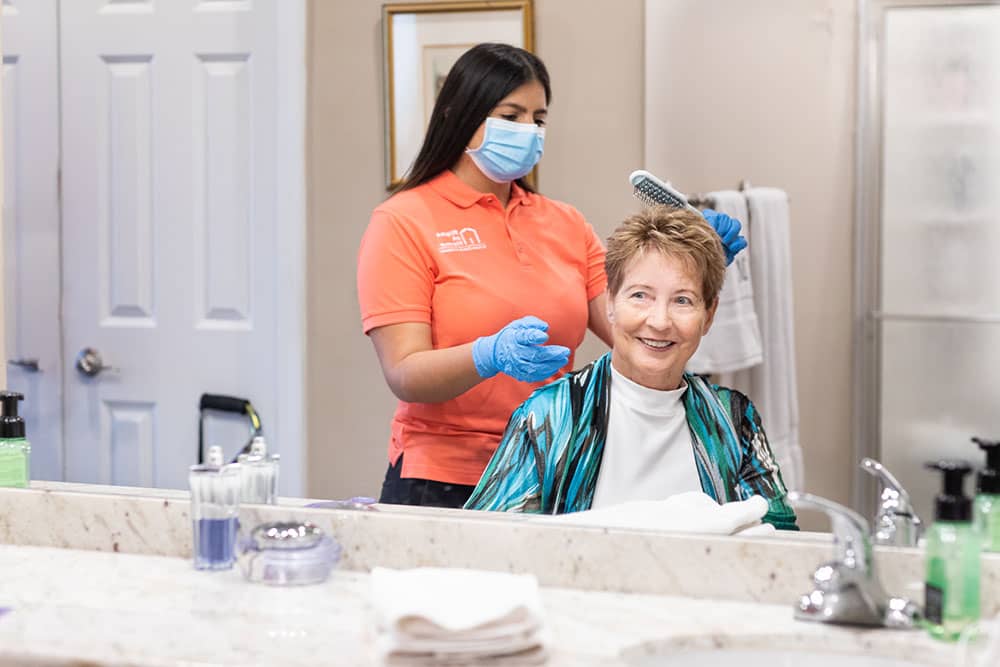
x=766 y=658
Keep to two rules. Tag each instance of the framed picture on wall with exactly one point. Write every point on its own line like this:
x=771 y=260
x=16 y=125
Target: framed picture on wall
x=422 y=41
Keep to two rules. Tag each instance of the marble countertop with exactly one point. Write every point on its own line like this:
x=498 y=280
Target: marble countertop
x=774 y=570
x=74 y=607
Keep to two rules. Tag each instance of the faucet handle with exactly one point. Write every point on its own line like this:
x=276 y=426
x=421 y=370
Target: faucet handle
x=897 y=521
x=850 y=530
x=847 y=590
x=892 y=489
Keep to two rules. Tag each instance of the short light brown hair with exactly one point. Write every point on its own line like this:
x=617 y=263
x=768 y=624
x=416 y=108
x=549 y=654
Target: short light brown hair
x=675 y=232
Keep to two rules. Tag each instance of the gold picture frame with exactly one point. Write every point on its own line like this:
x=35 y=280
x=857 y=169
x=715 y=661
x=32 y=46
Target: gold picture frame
x=421 y=42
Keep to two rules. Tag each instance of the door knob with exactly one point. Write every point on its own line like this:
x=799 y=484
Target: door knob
x=90 y=363
x=30 y=365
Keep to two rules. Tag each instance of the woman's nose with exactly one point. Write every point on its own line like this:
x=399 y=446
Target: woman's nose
x=659 y=317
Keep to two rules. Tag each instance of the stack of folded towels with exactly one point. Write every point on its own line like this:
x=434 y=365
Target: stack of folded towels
x=453 y=616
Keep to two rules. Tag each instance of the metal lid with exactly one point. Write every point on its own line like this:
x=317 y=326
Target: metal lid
x=286 y=535
x=258 y=458
x=258 y=446
x=214 y=457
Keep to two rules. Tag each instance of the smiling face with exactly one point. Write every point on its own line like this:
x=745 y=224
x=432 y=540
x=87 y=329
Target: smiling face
x=658 y=317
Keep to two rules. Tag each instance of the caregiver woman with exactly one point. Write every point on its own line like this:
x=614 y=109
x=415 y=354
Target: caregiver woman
x=475 y=289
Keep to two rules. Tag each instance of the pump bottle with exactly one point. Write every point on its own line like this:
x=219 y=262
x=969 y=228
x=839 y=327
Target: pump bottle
x=953 y=548
x=987 y=506
x=15 y=451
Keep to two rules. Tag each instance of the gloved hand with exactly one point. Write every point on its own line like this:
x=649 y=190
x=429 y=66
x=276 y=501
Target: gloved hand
x=728 y=229
x=517 y=351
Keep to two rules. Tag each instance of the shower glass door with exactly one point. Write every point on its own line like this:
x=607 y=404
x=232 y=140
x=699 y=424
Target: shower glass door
x=932 y=238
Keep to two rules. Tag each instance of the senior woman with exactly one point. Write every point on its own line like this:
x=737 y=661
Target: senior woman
x=633 y=425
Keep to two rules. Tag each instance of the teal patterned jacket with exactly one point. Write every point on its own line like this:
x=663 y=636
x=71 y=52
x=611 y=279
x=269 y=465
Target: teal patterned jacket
x=550 y=454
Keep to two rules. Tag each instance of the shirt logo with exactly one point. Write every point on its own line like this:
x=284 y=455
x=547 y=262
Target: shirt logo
x=459 y=240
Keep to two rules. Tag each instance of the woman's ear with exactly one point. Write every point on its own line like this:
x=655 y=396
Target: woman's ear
x=610 y=302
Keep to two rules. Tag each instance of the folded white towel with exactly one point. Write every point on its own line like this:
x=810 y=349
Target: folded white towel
x=733 y=343
x=457 y=616
x=691 y=512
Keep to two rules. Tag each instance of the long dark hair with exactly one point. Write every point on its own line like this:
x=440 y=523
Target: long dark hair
x=479 y=79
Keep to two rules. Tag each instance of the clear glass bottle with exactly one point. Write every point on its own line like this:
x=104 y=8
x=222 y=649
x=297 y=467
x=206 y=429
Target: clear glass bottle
x=952 y=553
x=215 y=506
x=15 y=450
x=258 y=474
x=987 y=506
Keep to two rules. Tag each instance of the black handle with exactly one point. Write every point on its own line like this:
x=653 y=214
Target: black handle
x=30 y=365
x=223 y=403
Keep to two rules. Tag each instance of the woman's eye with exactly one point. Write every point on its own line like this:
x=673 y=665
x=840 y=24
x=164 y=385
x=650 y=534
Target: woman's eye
x=637 y=295
x=540 y=122
x=512 y=117
x=685 y=301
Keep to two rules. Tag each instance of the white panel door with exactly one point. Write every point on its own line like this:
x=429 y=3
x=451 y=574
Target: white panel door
x=31 y=224
x=169 y=231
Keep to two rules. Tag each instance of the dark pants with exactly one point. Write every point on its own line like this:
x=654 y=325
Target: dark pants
x=426 y=492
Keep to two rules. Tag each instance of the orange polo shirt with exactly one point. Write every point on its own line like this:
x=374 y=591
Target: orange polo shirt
x=448 y=255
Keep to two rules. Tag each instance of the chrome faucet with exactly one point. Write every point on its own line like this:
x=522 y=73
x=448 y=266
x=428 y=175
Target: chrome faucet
x=896 y=522
x=846 y=590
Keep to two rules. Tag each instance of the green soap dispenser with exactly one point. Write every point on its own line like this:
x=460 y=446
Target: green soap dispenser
x=15 y=451
x=953 y=548
x=987 y=506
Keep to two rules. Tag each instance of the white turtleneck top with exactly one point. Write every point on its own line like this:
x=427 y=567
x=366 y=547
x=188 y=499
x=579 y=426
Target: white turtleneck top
x=649 y=453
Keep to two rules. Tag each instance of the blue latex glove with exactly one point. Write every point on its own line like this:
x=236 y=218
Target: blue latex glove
x=728 y=229
x=518 y=351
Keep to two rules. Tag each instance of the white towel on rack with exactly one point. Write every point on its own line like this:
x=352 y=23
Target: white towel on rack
x=733 y=343
x=773 y=387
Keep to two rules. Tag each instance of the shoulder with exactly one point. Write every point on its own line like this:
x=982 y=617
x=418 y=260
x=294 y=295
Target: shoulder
x=557 y=208
x=406 y=216
x=578 y=388
x=736 y=402
x=571 y=388
x=406 y=207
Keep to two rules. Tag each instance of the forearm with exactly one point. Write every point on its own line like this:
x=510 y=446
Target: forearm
x=597 y=318
x=433 y=376
x=418 y=373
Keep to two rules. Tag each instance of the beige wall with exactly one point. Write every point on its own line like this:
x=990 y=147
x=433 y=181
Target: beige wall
x=777 y=110
x=768 y=94
x=348 y=405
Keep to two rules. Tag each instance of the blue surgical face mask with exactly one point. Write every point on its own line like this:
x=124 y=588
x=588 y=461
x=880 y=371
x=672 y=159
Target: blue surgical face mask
x=509 y=151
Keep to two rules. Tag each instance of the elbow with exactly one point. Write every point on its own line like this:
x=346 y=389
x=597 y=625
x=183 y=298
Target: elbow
x=402 y=391
x=409 y=392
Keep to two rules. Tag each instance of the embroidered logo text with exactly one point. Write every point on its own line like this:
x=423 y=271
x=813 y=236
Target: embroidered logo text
x=459 y=240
